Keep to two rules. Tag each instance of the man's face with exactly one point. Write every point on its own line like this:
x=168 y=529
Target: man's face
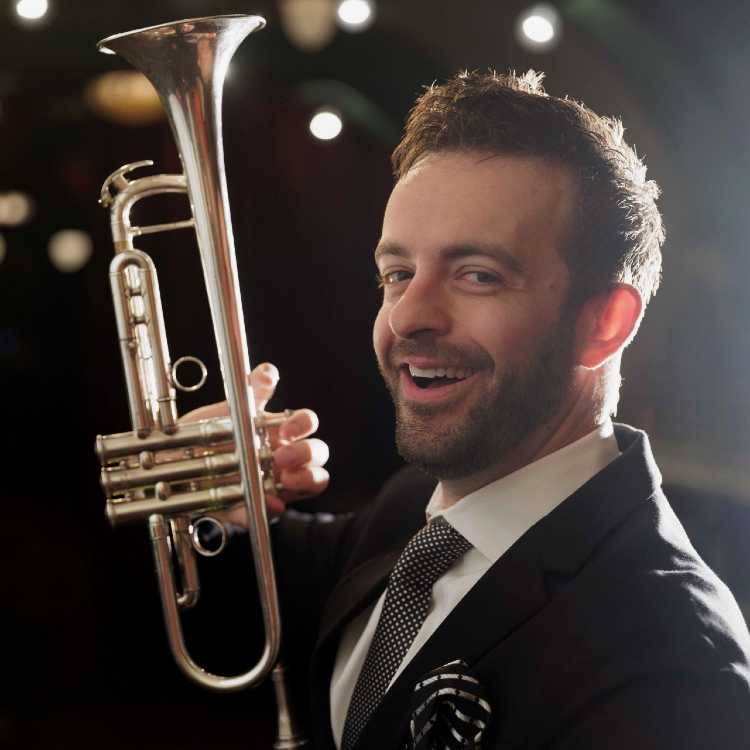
x=469 y=338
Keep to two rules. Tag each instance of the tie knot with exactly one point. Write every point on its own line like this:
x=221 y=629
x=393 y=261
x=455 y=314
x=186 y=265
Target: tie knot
x=428 y=555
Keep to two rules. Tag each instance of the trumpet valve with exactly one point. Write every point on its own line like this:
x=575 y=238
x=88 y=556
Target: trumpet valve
x=146 y=459
x=162 y=491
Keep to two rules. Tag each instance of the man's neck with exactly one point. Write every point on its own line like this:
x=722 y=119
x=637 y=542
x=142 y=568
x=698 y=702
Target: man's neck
x=576 y=421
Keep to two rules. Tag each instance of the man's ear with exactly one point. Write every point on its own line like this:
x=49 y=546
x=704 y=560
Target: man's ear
x=606 y=324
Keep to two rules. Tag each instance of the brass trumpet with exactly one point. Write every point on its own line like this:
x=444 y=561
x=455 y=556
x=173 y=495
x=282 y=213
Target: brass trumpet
x=168 y=474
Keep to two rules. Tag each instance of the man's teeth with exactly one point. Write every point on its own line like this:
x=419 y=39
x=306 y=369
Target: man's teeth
x=441 y=372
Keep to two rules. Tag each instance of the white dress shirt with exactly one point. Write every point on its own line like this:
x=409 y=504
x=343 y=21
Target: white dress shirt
x=492 y=519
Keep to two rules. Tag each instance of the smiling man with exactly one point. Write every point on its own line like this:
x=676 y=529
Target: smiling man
x=470 y=337
x=527 y=585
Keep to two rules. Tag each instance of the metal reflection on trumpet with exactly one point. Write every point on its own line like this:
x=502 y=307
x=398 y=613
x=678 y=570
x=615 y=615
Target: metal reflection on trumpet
x=165 y=473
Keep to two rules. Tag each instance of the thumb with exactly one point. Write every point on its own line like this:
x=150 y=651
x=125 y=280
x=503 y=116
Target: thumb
x=263 y=380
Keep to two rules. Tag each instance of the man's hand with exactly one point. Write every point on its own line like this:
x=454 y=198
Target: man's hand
x=298 y=459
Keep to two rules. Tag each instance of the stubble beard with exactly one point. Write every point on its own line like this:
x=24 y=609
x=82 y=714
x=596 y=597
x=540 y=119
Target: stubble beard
x=513 y=404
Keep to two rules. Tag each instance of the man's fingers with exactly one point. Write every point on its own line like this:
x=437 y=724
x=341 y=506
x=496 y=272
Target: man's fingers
x=298 y=459
x=309 y=481
x=302 y=423
x=275 y=507
x=263 y=380
x=310 y=452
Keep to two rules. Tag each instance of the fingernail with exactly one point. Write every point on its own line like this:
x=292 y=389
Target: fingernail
x=271 y=370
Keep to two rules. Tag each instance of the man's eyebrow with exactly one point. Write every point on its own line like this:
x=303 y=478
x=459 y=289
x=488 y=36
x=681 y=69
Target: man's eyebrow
x=495 y=252
x=390 y=248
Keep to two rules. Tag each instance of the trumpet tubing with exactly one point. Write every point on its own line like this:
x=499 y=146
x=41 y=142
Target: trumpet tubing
x=164 y=473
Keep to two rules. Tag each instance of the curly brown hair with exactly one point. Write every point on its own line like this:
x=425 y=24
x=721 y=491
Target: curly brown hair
x=616 y=231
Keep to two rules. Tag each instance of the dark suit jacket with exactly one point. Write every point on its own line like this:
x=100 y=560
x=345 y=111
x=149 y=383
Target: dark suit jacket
x=600 y=628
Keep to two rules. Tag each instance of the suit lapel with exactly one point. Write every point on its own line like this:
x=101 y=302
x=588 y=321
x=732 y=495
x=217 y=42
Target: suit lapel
x=568 y=536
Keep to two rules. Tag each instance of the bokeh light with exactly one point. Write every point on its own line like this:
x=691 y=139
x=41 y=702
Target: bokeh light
x=125 y=97
x=32 y=9
x=326 y=124
x=355 y=15
x=31 y=14
x=309 y=25
x=16 y=208
x=538 y=28
x=69 y=250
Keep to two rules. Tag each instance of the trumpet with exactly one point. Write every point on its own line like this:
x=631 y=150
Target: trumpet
x=167 y=474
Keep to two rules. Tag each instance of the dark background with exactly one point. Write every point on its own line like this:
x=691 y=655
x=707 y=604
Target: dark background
x=83 y=657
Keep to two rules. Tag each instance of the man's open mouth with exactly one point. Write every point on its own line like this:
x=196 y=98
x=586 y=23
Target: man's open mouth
x=437 y=377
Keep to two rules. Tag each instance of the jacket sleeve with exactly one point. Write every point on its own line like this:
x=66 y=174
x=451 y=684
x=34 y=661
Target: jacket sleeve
x=696 y=712
x=308 y=552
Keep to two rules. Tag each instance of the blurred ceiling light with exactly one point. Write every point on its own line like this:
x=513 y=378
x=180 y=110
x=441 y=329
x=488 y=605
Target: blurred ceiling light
x=355 y=15
x=125 y=97
x=309 y=25
x=3 y=248
x=326 y=123
x=538 y=29
x=69 y=250
x=32 y=9
x=31 y=13
x=16 y=208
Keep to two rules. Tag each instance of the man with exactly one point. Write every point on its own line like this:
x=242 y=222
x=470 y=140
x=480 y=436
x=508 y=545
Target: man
x=520 y=247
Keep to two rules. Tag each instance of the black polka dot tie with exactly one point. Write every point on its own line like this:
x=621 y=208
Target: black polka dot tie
x=427 y=556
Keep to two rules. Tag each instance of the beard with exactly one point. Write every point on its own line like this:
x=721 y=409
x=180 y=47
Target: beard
x=512 y=405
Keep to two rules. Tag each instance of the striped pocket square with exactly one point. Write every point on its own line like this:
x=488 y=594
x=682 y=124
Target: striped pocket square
x=450 y=710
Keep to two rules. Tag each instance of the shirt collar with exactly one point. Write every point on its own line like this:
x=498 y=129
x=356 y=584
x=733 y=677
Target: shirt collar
x=495 y=516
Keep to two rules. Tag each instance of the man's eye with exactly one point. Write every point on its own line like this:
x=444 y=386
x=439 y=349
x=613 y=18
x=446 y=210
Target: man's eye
x=481 y=277
x=393 y=277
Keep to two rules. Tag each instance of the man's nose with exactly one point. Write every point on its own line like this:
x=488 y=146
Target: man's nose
x=421 y=310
